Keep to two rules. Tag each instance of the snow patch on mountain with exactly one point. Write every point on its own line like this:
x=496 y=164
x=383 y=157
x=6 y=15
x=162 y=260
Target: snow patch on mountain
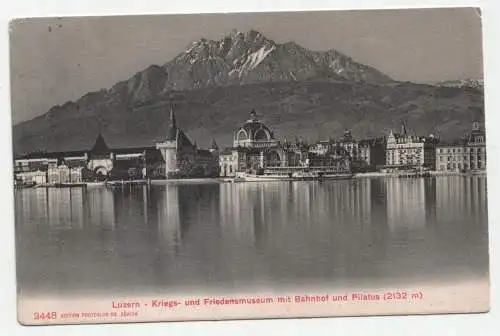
x=255 y=58
x=237 y=58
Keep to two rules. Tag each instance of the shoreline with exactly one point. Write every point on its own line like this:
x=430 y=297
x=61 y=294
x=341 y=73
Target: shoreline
x=430 y=173
x=215 y=180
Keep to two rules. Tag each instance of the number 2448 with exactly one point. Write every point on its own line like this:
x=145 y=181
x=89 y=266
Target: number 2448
x=45 y=316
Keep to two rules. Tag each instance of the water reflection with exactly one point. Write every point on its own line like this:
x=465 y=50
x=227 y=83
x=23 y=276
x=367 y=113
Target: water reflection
x=101 y=208
x=261 y=234
x=460 y=195
x=406 y=204
x=169 y=232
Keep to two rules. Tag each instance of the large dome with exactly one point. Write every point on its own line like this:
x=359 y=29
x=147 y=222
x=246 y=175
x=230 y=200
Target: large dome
x=254 y=130
x=251 y=131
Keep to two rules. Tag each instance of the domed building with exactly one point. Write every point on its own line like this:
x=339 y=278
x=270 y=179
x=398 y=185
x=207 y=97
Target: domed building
x=255 y=150
x=254 y=133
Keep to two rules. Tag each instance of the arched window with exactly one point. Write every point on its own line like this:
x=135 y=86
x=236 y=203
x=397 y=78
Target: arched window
x=273 y=159
x=261 y=135
x=242 y=135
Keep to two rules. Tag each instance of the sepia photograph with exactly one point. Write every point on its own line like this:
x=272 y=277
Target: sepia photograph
x=249 y=165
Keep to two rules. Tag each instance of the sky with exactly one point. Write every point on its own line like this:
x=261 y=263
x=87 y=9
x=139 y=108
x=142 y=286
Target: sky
x=55 y=60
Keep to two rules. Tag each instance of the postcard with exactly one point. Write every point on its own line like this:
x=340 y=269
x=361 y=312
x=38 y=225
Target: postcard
x=249 y=165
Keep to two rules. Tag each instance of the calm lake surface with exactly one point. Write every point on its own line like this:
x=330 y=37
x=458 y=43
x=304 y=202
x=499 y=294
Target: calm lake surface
x=194 y=237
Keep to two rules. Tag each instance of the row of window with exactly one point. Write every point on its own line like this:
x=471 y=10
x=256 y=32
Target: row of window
x=459 y=158
x=459 y=150
x=407 y=146
x=465 y=166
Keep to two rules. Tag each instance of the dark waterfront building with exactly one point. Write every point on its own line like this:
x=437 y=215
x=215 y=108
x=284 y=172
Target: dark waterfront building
x=182 y=158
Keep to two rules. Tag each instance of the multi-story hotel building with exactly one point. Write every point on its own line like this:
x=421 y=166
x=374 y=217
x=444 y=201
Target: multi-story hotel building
x=404 y=151
x=467 y=154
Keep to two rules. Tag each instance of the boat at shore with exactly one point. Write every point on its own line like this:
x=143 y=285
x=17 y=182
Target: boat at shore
x=126 y=182
x=291 y=177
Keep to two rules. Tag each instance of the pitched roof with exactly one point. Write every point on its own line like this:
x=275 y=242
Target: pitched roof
x=172 y=128
x=100 y=146
x=182 y=139
x=214 y=144
x=204 y=152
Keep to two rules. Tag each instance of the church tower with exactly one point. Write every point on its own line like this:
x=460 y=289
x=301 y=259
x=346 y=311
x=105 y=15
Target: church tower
x=168 y=147
x=403 y=129
x=214 y=148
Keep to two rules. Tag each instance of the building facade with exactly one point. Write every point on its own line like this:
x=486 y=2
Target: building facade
x=63 y=174
x=98 y=163
x=365 y=155
x=256 y=150
x=404 y=151
x=465 y=155
x=372 y=152
x=36 y=177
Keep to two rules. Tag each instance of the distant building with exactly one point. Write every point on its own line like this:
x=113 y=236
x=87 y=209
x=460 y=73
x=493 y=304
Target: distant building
x=182 y=158
x=365 y=154
x=254 y=134
x=408 y=151
x=176 y=156
x=30 y=177
x=100 y=157
x=64 y=174
x=256 y=150
x=467 y=154
x=228 y=162
x=372 y=152
x=100 y=162
x=34 y=162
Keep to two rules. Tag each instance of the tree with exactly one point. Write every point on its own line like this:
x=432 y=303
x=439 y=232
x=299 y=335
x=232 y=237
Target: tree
x=88 y=175
x=118 y=174
x=133 y=173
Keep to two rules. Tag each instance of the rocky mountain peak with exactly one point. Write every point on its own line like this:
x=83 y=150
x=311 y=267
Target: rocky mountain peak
x=250 y=57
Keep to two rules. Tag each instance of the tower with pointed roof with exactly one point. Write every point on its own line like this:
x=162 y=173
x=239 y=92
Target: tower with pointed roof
x=214 y=148
x=100 y=147
x=168 y=147
x=178 y=152
x=403 y=129
x=100 y=157
x=172 y=127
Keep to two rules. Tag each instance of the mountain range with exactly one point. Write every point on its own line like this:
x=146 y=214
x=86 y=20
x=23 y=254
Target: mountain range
x=213 y=85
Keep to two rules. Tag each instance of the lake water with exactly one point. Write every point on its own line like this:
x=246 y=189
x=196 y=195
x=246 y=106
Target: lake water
x=268 y=236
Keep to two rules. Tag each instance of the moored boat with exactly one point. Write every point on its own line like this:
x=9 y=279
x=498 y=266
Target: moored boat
x=292 y=177
x=260 y=178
